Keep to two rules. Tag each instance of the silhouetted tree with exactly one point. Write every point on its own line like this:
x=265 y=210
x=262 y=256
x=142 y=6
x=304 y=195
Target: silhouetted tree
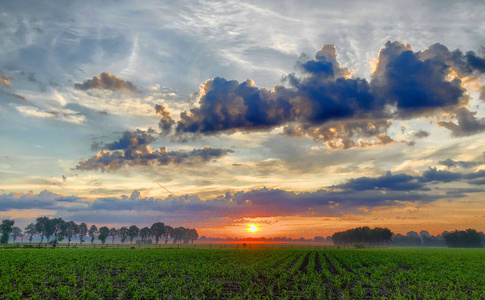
x=31 y=231
x=469 y=238
x=93 y=230
x=6 y=228
x=103 y=234
x=70 y=231
x=43 y=226
x=362 y=235
x=157 y=230
x=180 y=234
x=123 y=234
x=192 y=234
x=144 y=233
x=168 y=230
x=83 y=231
x=16 y=232
x=133 y=232
x=319 y=239
x=113 y=232
x=57 y=227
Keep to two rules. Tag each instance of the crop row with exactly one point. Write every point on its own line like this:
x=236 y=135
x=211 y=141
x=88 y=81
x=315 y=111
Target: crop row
x=241 y=274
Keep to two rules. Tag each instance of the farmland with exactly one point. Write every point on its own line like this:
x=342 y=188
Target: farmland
x=319 y=273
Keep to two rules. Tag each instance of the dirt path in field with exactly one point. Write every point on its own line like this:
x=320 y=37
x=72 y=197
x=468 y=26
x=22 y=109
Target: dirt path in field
x=304 y=265
x=276 y=290
x=292 y=263
x=346 y=268
x=280 y=263
x=318 y=264
x=331 y=267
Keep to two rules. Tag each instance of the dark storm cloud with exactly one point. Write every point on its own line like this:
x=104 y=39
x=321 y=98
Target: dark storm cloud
x=453 y=163
x=106 y=81
x=133 y=149
x=405 y=85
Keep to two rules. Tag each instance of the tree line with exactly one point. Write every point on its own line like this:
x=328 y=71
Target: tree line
x=57 y=228
x=469 y=238
x=362 y=235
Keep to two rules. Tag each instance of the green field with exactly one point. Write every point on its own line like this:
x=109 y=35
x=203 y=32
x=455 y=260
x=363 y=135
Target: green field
x=242 y=273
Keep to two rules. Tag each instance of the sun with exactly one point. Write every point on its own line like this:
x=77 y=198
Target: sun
x=253 y=228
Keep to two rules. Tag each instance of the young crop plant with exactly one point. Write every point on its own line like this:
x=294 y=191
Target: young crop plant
x=81 y=273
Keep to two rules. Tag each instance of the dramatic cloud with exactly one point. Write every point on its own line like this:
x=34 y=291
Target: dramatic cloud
x=166 y=123
x=43 y=200
x=467 y=124
x=414 y=82
x=355 y=196
x=330 y=105
x=453 y=163
x=106 y=81
x=404 y=182
x=133 y=149
x=399 y=182
x=434 y=175
x=344 y=135
x=258 y=203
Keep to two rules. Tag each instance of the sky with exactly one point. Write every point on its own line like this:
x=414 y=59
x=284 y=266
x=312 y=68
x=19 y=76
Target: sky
x=301 y=117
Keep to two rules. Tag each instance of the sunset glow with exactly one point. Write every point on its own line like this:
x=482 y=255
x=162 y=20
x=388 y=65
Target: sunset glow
x=253 y=228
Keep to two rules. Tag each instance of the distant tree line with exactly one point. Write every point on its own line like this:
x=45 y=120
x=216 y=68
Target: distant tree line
x=58 y=229
x=469 y=238
x=424 y=238
x=362 y=235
